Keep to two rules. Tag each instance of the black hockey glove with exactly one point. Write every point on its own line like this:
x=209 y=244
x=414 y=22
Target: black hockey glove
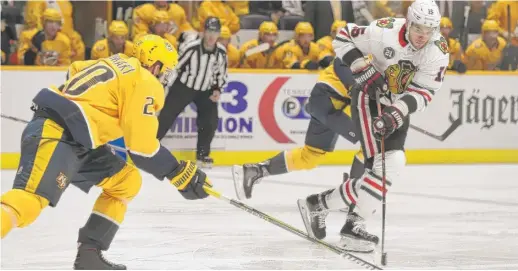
x=459 y=66
x=189 y=180
x=371 y=81
x=388 y=122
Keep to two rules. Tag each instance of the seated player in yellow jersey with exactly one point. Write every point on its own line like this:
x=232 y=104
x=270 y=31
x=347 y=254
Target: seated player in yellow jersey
x=485 y=53
x=116 y=42
x=161 y=25
x=455 y=48
x=258 y=53
x=329 y=107
x=65 y=141
x=232 y=51
x=300 y=52
x=327 y=54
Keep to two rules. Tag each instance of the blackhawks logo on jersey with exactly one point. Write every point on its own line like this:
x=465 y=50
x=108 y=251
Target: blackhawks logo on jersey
x=442 y=44
x=385 y=22
x=399 y=76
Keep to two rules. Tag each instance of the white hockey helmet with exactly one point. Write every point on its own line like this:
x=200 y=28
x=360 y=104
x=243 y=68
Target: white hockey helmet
x=424 y=12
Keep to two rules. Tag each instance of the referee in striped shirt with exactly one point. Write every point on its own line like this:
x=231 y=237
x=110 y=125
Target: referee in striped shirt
x=200 y=75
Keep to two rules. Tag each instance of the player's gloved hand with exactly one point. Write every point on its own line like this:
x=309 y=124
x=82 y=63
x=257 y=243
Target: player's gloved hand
x=388 y=122
x=459 y=66
x=311 y=65
x=371 y=80
x=189 y=180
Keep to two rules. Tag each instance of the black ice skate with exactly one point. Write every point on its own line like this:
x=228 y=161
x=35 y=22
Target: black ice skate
x=314 y=215
x=354 y=236
x=205 y=162
x=245 y=177
x=90 y=257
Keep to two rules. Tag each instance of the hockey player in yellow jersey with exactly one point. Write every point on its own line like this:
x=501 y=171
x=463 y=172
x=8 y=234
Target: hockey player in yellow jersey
x=262 y=58
x=455 y=49
x=498 y=13
x=485 y=53
x=301 y=52
x=65 y=141
x=48 y=46
x=329 y=108
x=116 y=42
x=160 y=25
x=327 y=53
x=143 y=18
x=232 y=51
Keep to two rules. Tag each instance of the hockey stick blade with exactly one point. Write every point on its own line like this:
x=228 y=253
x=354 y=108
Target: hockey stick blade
x=442 y=137
x=291 y=229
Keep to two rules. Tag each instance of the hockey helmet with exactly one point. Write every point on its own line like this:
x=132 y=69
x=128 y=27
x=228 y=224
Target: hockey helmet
x=268 y=27
x=118 y=28
x=490 y=25
x=212 y=24
x=337 y=24
x=153 y=50
x=424 y=12
x=161 y=16
x=52 y=15
x=446 y=23
x=225 y=32
x=304 y=28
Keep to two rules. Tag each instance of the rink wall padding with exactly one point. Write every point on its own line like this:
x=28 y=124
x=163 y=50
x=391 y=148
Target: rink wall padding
x=263 y=112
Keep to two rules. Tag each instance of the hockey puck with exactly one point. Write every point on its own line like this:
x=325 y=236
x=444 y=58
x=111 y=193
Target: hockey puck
x=384 y=259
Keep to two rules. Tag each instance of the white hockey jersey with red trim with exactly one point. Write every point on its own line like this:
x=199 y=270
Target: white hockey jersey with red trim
x=417 y=74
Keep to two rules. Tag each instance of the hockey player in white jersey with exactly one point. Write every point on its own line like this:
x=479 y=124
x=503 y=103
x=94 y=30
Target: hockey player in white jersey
x=409 y=59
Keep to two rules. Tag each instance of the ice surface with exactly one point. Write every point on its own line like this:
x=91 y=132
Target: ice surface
x=439 y=217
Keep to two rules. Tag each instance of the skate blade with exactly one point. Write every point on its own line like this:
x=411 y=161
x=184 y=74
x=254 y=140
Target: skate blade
x=303 y=209
x=350 y=244
x=237 y=176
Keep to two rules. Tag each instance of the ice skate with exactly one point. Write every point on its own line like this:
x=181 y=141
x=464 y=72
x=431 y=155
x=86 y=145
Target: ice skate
x=90 y=257
x=314 y=215
x=205 y=162
x=354 y=236
x=245 y=177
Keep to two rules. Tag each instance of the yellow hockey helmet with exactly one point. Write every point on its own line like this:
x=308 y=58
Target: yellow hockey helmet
x=268 y=27
x=490 y=25
x=161 y=16
x=53 y=15
x=225 y=32
x=153 y=50
x=337 y=24
x=118 y=28
x=446 y=22
x=304 y=28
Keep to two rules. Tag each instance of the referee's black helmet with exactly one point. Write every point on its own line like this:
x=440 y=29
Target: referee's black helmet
x=212 y=24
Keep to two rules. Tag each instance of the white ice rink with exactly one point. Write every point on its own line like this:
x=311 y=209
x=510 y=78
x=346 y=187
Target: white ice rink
x=439 y=217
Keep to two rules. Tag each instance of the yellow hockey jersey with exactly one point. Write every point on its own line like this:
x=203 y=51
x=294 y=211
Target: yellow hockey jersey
x=220 y=10
x=337 y=78
x=101 y=49
x=498 y=12
x=264 y=60
x=233 y=56
x=455 y=51
x=480 y=57
x=293 y=55
x=106 y=99
x=59 y=48
x=143 y=16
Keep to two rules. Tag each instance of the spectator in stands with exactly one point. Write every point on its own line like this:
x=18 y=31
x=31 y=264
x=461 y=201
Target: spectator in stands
x=47 y=47
x=143 y=17
x=262 y=58
x=161 y=25
x=294 y=7
x=327 y=54
x=232 y=51
x=240 y=8
x=115 y=43
x=322 y=14
x=220 y=10
x=33 y=16
x=300 y=52
x=485 y=53
x=456 y=53
x=498 y=13
x=272 y=9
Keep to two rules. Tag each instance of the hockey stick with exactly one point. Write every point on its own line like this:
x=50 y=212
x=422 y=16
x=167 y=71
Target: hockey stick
x=442 y=137
x=290 y=228
x=384 y=198
x=14 y=119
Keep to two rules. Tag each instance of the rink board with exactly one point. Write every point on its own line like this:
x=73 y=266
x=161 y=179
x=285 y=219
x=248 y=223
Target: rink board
x=262 y=113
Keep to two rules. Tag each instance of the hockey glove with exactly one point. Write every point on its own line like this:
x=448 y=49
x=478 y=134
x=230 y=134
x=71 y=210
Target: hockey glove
x=371 y=81
x=459 y=66
x=189 y=180
x=390 y=120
